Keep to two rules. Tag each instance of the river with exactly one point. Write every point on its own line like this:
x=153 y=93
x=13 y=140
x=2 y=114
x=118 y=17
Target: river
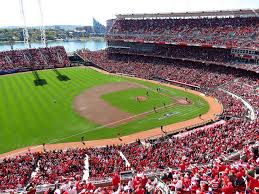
x=70 y=46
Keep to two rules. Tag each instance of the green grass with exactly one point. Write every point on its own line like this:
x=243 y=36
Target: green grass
x=32 y=115
x=126 y=100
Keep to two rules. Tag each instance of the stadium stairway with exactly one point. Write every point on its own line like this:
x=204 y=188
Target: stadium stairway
x=125 y=159
x=86 y=171
x=35 y=172
x=251 y=114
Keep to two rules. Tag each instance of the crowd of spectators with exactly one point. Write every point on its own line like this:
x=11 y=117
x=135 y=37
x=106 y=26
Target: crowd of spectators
x=246 y=91
x=217 y=56
x=109 y=159
x=197 y=161
x=221 y=177
x=60 y=165
x=149 y=67
x=191 y=52
x=232 y=106
x=238 y=177
x=33 y=59
x=229 y=32
x=198 y=147
x=209 y=77
x=193 y=161
x=243 y=65
x=15 y=172
x=205 y=32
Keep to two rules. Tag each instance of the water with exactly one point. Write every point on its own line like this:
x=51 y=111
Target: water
x=70 y=46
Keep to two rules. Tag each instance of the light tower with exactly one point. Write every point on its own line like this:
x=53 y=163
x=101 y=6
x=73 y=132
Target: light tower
x=42 y=28
x=25 y=29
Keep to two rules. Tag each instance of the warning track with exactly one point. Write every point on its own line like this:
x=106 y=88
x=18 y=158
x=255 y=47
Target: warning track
x=215 y=109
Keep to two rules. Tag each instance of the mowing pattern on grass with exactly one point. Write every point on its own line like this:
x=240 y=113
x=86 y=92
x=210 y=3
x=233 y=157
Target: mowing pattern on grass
x=34 y=114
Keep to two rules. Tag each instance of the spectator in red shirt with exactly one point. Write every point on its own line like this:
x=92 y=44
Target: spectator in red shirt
x=252 y=182
x=115 y=180
x=140 y=190
x=228 y=188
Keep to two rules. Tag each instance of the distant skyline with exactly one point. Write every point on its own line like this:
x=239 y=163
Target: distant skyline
x=81 y=12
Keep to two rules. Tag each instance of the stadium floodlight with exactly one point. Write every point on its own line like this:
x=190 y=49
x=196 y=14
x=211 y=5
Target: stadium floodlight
x=42 y=28
x=25 y=29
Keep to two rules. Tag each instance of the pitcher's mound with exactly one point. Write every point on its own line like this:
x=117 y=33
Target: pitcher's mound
x=141 y=98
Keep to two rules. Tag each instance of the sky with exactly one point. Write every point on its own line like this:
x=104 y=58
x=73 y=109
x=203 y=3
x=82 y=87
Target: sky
x=81 y=12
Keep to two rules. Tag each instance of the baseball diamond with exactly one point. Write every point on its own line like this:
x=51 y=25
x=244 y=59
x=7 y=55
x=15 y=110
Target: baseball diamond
x=151 y=103
x=90 y=104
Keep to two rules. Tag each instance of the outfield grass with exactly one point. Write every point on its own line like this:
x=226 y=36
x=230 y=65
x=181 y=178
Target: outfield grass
x=31 y=115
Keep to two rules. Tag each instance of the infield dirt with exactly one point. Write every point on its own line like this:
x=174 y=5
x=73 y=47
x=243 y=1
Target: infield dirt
x=215 y=110
x=91 y=106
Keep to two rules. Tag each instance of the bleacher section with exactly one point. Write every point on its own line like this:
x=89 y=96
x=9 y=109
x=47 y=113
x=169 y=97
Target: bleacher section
x=33 y=59
x=218 y=38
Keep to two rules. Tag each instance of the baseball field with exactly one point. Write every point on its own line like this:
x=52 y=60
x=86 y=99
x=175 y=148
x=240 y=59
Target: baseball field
x=62 y=105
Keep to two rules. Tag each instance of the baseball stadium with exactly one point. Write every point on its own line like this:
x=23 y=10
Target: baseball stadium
x=169 y=106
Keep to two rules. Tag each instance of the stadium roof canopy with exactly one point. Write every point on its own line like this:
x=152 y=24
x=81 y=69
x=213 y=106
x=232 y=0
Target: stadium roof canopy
x=197 y=14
